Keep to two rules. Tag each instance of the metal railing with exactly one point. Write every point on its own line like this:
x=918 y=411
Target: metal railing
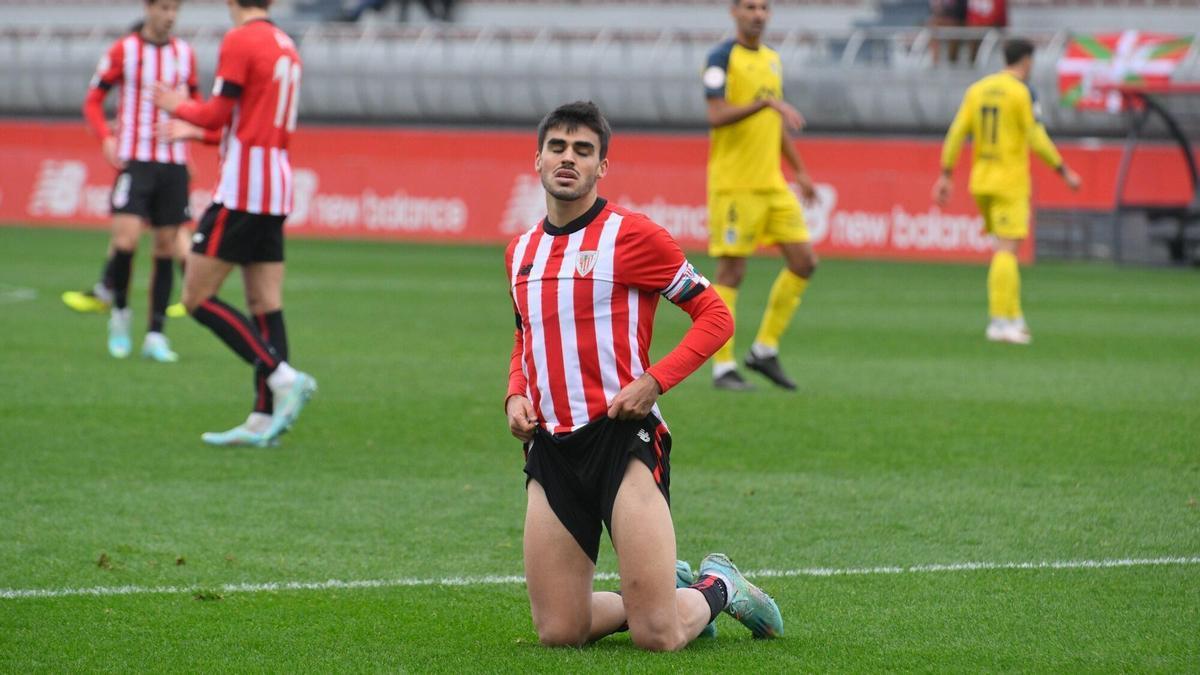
x=870 y=80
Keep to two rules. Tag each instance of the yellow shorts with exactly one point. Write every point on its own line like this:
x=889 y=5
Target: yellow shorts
x=1004 y=217
x=740 y=222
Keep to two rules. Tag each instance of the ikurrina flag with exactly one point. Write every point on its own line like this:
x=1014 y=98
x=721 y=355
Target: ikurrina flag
x=1132 y=57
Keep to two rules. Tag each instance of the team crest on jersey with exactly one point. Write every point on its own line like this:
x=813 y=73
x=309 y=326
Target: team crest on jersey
x=585 y=262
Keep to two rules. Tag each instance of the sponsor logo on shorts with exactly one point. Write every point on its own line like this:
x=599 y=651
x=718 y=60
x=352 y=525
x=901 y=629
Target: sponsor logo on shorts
x=198 y=238
x=120 y=194
x=644 y=435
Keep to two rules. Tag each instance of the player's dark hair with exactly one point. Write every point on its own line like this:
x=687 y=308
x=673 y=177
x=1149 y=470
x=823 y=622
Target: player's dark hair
x=571 y=116
x=262 y=4
x=1017 y=49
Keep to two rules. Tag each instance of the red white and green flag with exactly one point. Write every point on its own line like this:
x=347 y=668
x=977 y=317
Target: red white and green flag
x=1093 y=62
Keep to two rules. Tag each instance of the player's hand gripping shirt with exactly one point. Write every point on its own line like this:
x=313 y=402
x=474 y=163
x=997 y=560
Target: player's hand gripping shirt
x=256 y=96
x=134 y=66
x=999 y=112
x=585 y=298
x=745 y=155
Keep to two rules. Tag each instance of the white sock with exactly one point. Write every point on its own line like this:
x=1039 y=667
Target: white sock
x=155 y=337
x=121 y=314
x=102 y=292
x=283 y=377
x=763 y=351
x=723 y=367
x=257 y=422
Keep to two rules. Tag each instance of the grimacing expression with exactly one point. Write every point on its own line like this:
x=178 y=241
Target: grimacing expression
x=569 y=162
x=161 y=14
x=751 y=16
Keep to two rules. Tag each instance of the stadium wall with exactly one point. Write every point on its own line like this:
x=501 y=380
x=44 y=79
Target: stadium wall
x=478 y=186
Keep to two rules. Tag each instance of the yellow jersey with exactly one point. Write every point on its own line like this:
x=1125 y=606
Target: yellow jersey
x=745 y=155
x=1001 y=115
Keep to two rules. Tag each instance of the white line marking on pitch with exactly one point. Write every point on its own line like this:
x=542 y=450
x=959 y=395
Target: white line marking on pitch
x=493 y=580
x=10 y=294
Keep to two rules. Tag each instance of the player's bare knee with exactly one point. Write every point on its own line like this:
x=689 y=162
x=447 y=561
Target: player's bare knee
x=731 y=273
x=658 y=639
x=561 y=634
x=805 y=267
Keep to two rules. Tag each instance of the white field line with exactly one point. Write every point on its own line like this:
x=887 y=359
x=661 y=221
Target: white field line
x=493 y=580
x=10 y=294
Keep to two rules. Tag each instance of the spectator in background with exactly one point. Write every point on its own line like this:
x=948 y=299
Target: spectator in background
x=438 y=10
x=985 y=14
x=946 y=14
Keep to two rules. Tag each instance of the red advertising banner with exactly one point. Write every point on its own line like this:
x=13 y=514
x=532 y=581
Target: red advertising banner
x=479 y=186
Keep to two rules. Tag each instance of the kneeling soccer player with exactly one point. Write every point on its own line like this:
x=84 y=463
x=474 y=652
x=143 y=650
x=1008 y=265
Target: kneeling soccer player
x=585 y=282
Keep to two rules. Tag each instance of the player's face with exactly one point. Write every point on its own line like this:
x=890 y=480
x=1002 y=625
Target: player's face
x=751 y=17
x=160 y=15
x=569 y=163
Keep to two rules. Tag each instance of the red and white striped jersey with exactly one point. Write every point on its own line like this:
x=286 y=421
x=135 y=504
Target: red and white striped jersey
x=585 y=297
x=259 y=68
x=135 y=65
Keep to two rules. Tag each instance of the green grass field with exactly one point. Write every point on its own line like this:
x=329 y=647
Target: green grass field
x=913 y=442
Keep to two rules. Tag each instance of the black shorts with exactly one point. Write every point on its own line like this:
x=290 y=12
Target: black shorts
x=239 y=237
x=156 y=192
x=581 y=471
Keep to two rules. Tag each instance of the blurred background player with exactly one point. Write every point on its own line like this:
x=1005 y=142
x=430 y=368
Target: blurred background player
x=749 y=201
x=152 y=181
x=256 y=94
x=1001 y=115
x=582 y=395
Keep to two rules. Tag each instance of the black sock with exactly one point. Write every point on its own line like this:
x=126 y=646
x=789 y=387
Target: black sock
x=122 y=266
x=106 y=276
x=274 y=331
x=714 y=591
x=160 y=292
x=235 y=330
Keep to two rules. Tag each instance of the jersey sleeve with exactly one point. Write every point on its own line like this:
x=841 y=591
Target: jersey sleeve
x=716 y=70
x=233 y=65
x=957 y=133
x=1039 y=140
x=651 y=260
x=518 y=384
x=111 y=68
x=109 y=72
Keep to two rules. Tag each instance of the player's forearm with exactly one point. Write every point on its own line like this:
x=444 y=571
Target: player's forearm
x=213 y=114
x=93 y=112
x=712 y=326
x=721 y=113
x=1044 y=147
x=517 y=383
x=792 y=156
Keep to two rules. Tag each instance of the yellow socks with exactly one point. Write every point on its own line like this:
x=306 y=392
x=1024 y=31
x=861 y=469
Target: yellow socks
x=724 y=355
x=1004 y=286
x=781 y=305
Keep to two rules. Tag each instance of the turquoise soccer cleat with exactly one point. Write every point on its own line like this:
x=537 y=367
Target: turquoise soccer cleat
x=288 y=405
x=237 y=436
x=747 y=602
x=684 y=577
x=118 y=334
x=157 y=348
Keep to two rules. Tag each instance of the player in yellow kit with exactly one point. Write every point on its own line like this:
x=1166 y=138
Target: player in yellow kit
x=1000 y=113
x=749 y=201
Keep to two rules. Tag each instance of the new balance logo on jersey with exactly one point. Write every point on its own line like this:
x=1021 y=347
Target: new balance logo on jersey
x=644 y=435
x=585 y=262
x=525 y=270
x=198 y=238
